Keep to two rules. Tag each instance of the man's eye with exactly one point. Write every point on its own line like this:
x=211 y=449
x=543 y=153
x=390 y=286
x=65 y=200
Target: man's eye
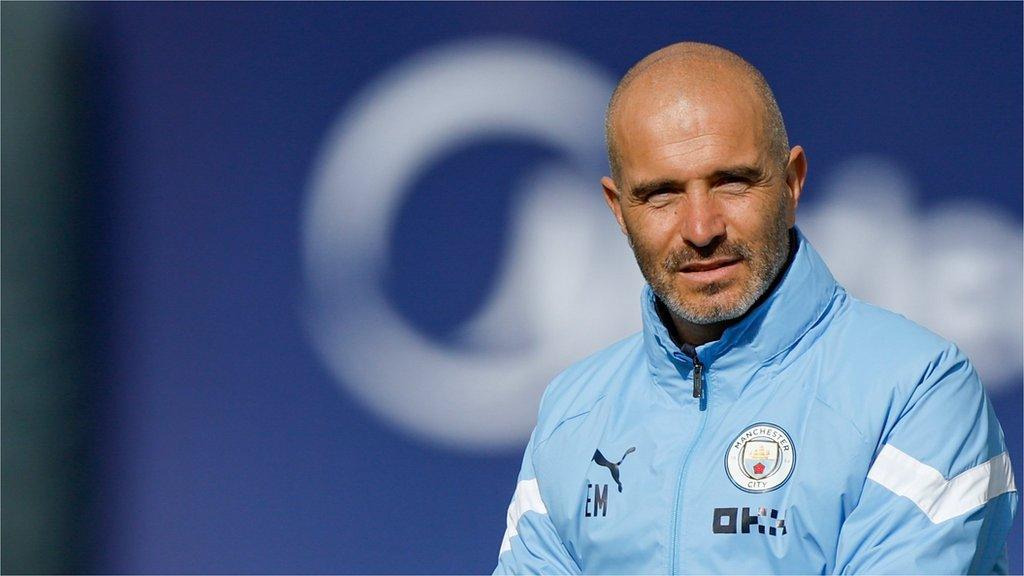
x=734 y=184
x=660 y=197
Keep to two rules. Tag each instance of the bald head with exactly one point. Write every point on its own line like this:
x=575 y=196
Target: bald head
x=690 y=72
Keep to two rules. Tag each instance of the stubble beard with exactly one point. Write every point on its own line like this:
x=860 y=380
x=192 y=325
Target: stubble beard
x=766 y=261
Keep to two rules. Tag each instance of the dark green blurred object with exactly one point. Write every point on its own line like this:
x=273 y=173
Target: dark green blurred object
x=43 y=462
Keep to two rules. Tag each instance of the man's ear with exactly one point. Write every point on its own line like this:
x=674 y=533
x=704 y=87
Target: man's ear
x=612 y=197
x=796 y=173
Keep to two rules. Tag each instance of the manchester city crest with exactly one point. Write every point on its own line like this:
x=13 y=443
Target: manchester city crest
x=760 y=459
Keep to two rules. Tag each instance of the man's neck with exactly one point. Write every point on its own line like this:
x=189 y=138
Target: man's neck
x=683 y=332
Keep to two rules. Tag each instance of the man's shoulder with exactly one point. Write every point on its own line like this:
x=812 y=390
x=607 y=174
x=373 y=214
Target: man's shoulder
x=889 y=350
x=579 y=388
x=886 y=334
x=914 y=390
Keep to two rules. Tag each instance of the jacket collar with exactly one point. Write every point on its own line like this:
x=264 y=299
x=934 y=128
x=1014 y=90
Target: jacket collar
x=794 y=305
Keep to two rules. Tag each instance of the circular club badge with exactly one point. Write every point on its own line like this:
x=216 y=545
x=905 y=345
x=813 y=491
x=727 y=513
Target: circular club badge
x=760 y=459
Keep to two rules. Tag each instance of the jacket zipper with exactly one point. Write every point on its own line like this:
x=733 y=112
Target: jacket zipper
x=698 y=370
x=699 y=391
x=698 y=378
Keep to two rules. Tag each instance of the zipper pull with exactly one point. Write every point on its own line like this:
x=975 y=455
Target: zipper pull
x=698 y=370
x=698 y=379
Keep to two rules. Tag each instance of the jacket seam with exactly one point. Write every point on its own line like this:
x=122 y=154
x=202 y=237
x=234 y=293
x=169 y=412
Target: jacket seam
x=860 y=433
x=565 y=420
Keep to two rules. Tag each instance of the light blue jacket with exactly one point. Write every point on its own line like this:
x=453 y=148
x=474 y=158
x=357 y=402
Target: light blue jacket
x=827 y=436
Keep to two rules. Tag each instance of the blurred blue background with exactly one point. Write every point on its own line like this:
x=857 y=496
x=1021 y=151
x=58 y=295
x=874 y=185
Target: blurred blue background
x=283 y=282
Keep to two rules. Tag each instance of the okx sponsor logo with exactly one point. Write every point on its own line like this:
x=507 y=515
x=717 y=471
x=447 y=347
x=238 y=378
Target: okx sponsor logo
x=768 y=521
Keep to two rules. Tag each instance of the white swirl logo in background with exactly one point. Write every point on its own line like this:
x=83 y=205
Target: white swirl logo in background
x=568 y=284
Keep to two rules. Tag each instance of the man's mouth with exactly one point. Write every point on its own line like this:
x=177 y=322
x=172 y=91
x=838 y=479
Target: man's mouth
x=709 y=265
x=710 y=270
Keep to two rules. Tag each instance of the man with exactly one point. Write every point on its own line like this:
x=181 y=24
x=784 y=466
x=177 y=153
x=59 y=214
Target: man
x=764 y=420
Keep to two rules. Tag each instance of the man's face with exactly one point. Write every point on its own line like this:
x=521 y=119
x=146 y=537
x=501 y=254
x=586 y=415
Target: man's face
x=705 y=207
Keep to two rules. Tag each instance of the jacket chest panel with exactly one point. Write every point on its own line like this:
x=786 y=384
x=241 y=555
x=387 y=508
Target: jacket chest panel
x=616 y=509
x=774 y=471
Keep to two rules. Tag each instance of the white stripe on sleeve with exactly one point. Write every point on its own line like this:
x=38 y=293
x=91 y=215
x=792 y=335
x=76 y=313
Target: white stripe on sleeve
x=938 y=498
x=526 y=499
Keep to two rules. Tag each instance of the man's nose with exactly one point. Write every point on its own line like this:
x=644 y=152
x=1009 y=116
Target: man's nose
x=702 y=223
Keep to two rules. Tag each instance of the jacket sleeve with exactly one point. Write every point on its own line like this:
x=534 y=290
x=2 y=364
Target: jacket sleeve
x=939 y=496
x=531 y=544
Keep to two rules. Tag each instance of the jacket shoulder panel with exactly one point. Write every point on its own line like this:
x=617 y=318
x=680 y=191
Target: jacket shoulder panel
x=881 y=352
x=902 y=383
x=579 y=388
x=888 y=336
